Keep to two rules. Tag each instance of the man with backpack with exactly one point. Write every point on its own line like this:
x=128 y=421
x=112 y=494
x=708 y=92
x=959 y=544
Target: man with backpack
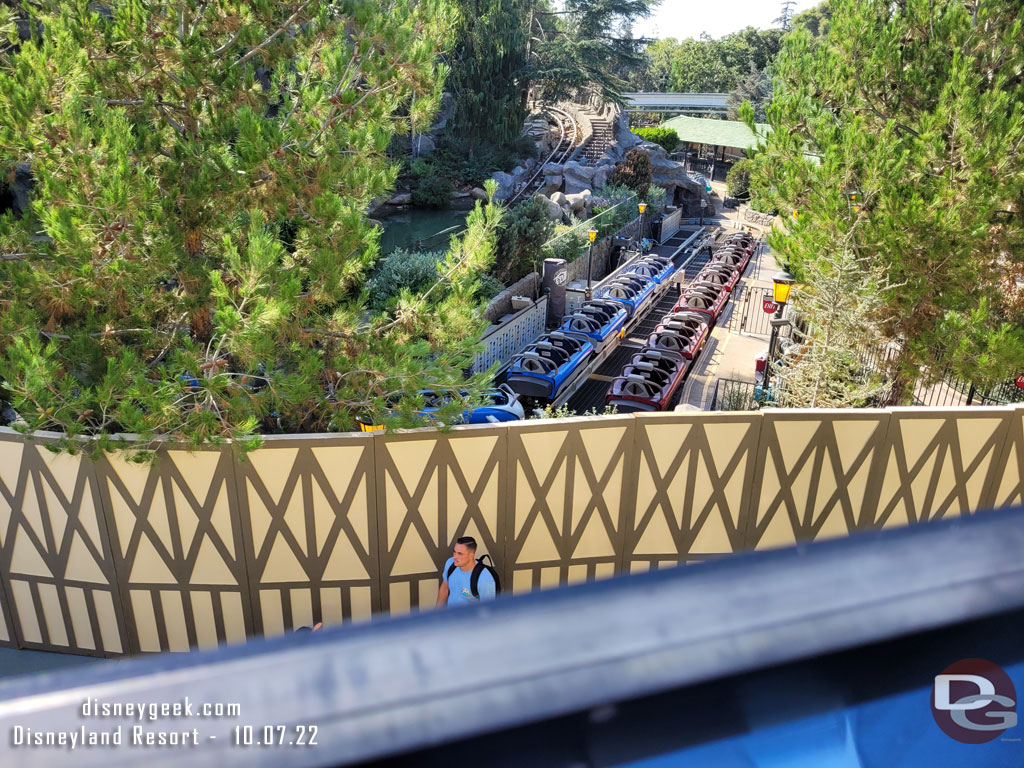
x=464 y=579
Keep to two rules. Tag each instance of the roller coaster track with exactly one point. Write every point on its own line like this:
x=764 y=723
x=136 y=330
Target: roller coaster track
x=568 y=133
x=683 y=256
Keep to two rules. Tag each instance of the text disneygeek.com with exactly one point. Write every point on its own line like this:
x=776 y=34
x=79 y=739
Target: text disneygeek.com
x=147 y=730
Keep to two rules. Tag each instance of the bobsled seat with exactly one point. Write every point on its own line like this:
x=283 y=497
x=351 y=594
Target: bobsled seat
x=662 y=359
x=649 y=383
x=719 y=274
x=603 y=310
x=581 y=323
x=652 y=267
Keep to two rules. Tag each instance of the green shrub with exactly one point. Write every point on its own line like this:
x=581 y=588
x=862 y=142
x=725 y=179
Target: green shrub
x=433 y=192
x=489 y=286
x=737 y=181
x=422 y=167
x=415 y=270
x=524 y=231
x=568 y=246
x=524 y=147
x=664 y=137
x=633 y=172
x=467 y=164
x=621 y=201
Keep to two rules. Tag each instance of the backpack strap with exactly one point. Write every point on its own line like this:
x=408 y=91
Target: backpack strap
x=451 y=570
x=474 y=580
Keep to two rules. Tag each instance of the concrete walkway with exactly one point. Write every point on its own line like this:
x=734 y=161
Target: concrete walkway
x=730 y=353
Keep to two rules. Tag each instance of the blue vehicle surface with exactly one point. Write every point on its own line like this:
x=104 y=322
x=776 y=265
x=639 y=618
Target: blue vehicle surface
x=656 y=268
x=504 y=405
x=598 y=320
x=543 y=368
x=632 y=291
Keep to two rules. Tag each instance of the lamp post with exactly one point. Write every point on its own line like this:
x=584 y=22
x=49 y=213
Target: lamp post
x=782 y=284
x=591 y=237
x=642 y=207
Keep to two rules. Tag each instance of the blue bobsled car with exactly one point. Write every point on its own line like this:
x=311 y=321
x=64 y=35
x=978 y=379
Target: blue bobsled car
x=503 y=405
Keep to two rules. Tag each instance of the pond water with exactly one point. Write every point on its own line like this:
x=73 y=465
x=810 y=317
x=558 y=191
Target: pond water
x=420 y=229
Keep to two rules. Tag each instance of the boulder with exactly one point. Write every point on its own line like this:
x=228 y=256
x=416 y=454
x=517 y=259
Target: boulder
x=614 y=154
x=577 y=202
x=551 y=184
x=623 y=135
x=558 y=198
x=423 y=145
x=554 y=210
x=600 y=177
x=506 y=185
x=403 y=198
x=518 y=171
x=552 y=169
x=654 y=150
x=444 y=114
x=478 y=194
x=577 y=177
x=670 y=174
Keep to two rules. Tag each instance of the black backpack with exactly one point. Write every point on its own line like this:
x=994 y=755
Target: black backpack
x=474 y=579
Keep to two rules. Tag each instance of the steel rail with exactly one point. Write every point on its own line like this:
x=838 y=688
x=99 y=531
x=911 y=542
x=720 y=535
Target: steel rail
x=565 y=121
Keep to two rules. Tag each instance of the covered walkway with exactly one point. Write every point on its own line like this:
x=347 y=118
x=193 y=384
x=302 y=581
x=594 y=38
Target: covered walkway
x=673 y=103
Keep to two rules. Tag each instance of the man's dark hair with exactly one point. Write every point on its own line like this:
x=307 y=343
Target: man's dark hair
x=469 y=541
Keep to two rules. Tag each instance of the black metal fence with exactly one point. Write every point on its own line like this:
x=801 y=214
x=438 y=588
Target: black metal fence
x=940 y=387
x=734 y=395
x=751 y=318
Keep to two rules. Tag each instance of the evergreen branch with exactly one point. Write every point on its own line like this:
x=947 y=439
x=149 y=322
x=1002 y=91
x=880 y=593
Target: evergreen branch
x=110 y=333
x=324 y=332
x=224 y=48
x=199 y=14
x=273 y=36
x=140 y=102
x=867 y=101
x=334 y=115
x=171 y=121
x=166 y=349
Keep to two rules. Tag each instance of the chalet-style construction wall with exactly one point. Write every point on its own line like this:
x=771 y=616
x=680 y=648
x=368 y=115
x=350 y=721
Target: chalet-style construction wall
x=198 y=549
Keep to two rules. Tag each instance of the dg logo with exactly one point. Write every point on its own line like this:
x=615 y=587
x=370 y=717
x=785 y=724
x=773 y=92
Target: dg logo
x=974 y=701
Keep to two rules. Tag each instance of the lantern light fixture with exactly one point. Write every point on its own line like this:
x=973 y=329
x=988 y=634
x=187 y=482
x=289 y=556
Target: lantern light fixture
x=782 y=284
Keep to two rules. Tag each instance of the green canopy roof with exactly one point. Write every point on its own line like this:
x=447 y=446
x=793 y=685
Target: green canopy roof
x=719 y=133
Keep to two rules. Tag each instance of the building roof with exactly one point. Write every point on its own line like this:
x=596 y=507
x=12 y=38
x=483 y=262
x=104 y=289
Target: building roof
x=719 y=133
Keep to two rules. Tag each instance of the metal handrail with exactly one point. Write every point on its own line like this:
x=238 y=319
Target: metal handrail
x=389 y=686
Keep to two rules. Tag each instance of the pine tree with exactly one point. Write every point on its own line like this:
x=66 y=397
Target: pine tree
x=899 y=134
x=487 y=64
x=835 y=365
x=755 y=88
x=585 y=46
x=785 y=18
x=193 y=261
